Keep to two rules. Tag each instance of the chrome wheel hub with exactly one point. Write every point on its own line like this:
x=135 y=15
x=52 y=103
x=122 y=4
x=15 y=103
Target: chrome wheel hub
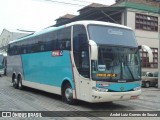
x=68 y=94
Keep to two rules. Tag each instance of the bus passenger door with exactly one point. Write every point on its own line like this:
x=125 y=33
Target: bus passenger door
x=81 y=60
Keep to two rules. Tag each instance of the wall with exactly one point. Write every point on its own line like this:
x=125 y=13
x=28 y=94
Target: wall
x=7 y=36
x=143 y=37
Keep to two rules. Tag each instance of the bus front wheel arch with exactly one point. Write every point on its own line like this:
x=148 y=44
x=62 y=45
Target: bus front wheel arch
x=67 y=93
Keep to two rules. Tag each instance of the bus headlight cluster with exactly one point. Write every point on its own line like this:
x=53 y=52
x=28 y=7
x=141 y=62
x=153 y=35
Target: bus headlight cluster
x=137 y=88
x=100 y=89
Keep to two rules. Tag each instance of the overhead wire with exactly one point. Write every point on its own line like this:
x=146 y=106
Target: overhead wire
x=67 y=3
x=81 y=1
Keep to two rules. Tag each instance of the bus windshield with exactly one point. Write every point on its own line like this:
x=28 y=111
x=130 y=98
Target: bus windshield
x=112 y=35
x=116 y=63
x=118 y=56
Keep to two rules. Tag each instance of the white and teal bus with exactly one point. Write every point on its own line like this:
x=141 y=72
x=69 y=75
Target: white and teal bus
x=91 y=61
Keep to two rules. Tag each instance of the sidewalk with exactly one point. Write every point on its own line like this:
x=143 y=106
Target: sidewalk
x=151 y=94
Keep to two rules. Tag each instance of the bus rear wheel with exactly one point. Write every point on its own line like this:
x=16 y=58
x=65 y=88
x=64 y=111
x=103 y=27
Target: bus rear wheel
x=20 y=85
x=68 y=94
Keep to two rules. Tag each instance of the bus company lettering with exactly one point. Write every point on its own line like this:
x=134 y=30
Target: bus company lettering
x=115 y=32
x=57 y=53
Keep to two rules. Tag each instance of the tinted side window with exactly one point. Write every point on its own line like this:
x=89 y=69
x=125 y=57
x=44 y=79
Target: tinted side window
x=55 y=40
x=8 y=49
x=81 y=50
x=49 y=42
x=64 y=39
x=13 y=49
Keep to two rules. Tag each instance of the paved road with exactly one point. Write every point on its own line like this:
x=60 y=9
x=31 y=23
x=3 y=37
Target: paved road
x=34 y=100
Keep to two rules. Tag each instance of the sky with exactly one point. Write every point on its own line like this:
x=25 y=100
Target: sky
x=34 y=15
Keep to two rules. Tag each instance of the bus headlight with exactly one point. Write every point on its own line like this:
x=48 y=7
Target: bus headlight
x=137 y=88
x=100 y=89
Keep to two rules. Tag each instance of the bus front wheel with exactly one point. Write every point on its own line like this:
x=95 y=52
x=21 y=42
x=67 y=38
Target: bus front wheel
x=68 y=94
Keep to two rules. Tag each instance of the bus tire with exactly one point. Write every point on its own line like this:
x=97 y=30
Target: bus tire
x=67 y=94
x=14 y=81
x=20 y=85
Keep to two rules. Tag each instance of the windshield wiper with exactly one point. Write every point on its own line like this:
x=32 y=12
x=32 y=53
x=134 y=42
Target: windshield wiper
x=130 y=72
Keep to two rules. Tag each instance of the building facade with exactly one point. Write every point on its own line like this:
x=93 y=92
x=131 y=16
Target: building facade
x=9 y=35
x=143 y=16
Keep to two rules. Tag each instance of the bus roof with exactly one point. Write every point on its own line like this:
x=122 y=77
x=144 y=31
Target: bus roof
x=84 y=22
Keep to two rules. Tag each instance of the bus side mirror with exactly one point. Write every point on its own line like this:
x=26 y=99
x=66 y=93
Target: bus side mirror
x=150 y=54
x=93 y=50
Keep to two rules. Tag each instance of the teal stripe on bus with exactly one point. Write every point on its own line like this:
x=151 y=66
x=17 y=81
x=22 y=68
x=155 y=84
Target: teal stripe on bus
x=120 y=86
x=46 y=69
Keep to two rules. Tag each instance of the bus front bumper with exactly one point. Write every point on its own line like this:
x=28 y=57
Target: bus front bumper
x=114 y=96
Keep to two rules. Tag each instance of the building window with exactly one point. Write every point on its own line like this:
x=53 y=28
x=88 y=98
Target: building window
x=146 y=22
x=145 y=58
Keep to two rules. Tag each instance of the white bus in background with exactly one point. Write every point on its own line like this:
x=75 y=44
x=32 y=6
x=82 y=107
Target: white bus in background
x=86 y=60
x=3 y=64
